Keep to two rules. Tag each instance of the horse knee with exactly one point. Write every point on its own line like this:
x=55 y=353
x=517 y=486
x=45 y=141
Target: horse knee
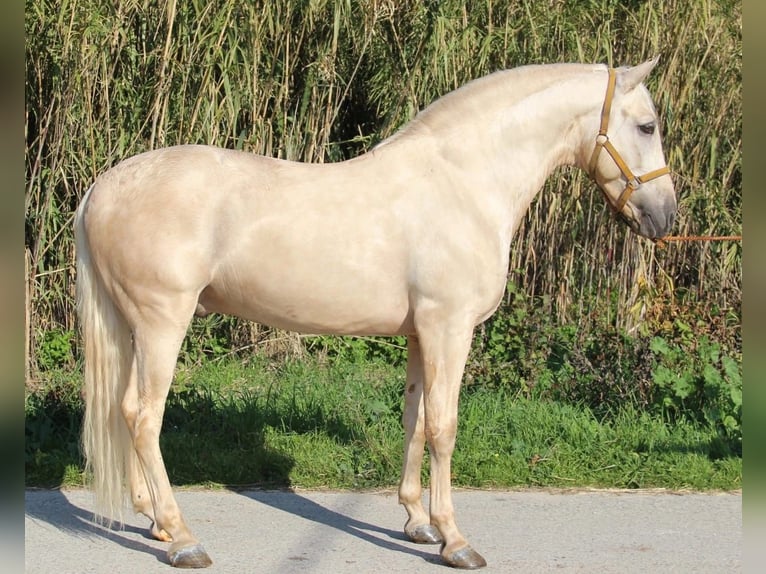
x=441 y=437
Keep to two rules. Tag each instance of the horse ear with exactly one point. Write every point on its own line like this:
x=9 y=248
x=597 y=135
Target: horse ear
x=629 y=78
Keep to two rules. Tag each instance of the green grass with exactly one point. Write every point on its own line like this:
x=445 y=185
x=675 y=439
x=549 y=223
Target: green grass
x=337 y=424
x=325 y=80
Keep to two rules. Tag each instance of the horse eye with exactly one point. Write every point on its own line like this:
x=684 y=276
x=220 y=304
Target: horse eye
x=648 y=129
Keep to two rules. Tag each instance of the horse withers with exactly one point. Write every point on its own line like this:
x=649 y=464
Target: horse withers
x=411 y=238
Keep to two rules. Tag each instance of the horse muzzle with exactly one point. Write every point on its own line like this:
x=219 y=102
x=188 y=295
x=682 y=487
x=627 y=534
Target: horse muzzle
x=651 y=215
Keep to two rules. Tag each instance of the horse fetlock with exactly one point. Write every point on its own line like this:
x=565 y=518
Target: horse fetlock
x=423 y=534
x=142 y=504
x=409 y=496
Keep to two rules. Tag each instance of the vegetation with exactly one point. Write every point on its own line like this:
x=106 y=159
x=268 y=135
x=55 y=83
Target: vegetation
x=598 y=328
x=315 y=423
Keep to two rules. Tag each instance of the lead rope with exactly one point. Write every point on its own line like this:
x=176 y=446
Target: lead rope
x=662 y=242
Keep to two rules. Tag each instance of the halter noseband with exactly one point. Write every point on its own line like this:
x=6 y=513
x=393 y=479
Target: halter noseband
x=602 y=141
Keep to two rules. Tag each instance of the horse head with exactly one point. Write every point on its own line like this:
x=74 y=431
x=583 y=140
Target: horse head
x=627 y=161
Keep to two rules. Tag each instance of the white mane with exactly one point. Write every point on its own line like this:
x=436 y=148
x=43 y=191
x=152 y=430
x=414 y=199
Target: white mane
x=512 y=86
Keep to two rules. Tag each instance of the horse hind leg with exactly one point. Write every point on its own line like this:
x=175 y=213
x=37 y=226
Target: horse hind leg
x=142 y=502
x=418 y=527
x=157 y=342
x=139 y=490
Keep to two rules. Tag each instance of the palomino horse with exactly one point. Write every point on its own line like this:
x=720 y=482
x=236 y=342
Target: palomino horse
x=411 y=238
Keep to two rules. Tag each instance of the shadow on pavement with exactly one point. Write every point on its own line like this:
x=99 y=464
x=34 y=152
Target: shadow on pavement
x=300 y=506
x=61 y=514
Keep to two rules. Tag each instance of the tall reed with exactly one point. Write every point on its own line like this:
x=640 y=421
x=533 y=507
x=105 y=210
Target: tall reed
x=323 y=80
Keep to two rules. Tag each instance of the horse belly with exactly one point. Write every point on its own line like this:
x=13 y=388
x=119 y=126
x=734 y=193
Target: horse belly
x=326 y=304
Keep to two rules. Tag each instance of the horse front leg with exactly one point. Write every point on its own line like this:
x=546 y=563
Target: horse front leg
x=444 y=352
x=418 y=527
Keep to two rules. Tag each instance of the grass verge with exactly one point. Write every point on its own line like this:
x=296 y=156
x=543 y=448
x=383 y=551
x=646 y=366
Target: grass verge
x=337 y=425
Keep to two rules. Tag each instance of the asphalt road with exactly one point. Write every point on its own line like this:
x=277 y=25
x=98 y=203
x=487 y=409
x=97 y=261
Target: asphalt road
x=340 y=532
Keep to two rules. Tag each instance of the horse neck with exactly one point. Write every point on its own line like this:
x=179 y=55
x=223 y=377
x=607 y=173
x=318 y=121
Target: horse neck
x=506 y=133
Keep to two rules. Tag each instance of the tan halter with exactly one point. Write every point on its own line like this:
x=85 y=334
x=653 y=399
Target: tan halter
x=602 y=141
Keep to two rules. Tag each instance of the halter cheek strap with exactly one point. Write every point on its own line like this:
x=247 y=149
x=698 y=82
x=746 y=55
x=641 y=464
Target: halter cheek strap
x=603 y=142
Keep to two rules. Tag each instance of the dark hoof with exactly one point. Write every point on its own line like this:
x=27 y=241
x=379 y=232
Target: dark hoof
x=190 y=557
x=424 y=534
x=466 y=558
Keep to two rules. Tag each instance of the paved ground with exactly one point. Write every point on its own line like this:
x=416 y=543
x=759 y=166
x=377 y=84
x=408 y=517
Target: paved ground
x=327 y=532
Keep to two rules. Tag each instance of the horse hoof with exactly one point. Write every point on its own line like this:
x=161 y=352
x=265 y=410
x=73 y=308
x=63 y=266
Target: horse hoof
x=466 y=559
x=190 y=557
x=424 y=534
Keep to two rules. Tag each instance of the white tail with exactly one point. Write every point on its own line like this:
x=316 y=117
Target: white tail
x=108 y=355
